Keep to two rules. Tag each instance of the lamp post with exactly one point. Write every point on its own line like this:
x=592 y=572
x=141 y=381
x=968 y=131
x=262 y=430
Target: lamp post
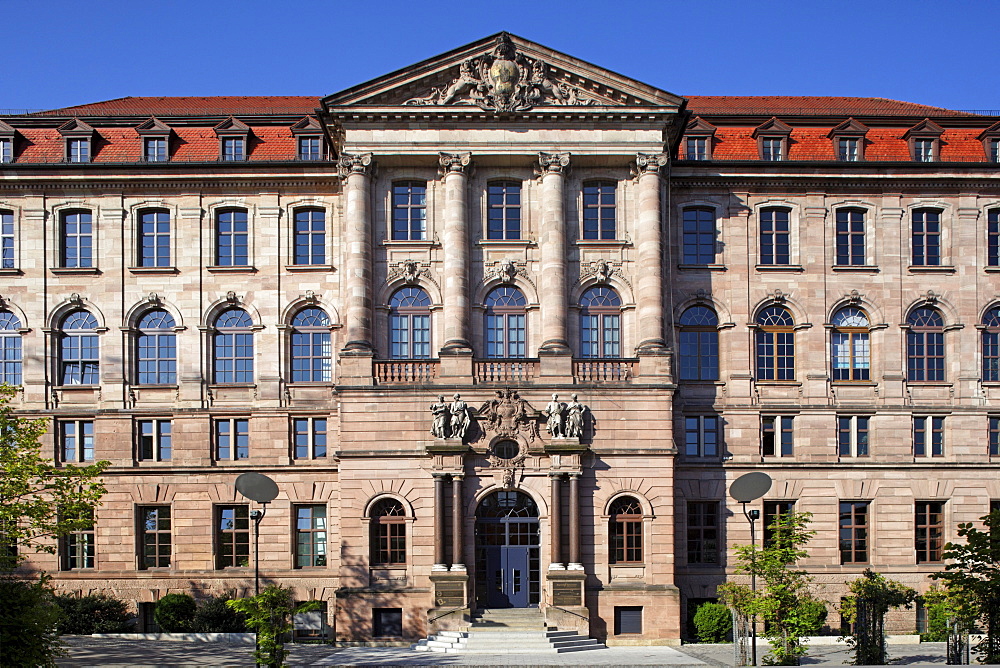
x=750 y=487
x=752 y=516
x=257 y=516
x=257 y=487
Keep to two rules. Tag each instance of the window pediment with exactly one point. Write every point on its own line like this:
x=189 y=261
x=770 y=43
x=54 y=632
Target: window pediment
x=849 y=128
x=76 y=128
x=772 y=127
x=925 y=128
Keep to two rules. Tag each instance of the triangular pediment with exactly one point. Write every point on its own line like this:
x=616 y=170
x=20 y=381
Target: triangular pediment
x=924 y=127
x=992 y=131
x=75 y=126
x=772 y=126
x=309 y=124
x=6 y=131
x=849 y=127
x=503 y=73
x=153 y=126
x=698 y=126
x=232 y=126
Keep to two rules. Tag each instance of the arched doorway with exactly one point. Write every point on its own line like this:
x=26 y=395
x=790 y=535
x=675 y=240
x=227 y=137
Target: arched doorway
x=507 y=560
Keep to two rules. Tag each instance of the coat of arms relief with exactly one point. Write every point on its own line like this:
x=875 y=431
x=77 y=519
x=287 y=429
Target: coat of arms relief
x=504 y=81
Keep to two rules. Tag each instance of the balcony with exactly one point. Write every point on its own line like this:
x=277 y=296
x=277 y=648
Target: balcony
x=603 y=370
x=397 y=372
x=504 y=370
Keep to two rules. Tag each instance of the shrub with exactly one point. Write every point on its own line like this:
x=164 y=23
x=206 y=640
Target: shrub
x=714 y=622
x=214 y=616
x=937 y=623
x=28 y=624
x=95 y=613
x=174 y=613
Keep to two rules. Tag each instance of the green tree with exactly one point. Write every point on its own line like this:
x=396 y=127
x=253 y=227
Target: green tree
x=947 y=609
x=39 y=500
x=973 y=574
x=269 y=613
x=872 y=595
x=28 y=635
x=785 y=603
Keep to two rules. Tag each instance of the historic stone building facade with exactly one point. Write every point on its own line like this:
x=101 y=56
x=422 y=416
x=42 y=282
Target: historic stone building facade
x=373 y=297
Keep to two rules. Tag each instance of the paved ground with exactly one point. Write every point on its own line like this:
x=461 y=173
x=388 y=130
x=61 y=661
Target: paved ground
x=85 y=651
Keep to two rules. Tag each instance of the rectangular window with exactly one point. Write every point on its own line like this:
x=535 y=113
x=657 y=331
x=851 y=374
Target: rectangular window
x=929 y=536
x=701 y=436
x=310 y=536
x=852 y=436
x=599 y=211
x=310 y=148
x=78 y=150
x=774 y=236
x=847 y=149
x=928 y=436
x=155 y=149
x=232 y=536
x=310 y=437
x=409 y=211
x=699 y=236
x=992 y=238
x=6 y=150
x=310 y=236
x=387 y=622
x=696 y=148
x=772 y=511
x=76 y=240
x=154 y=537
x=994 y=436
x=771 y=148
x=628 y=619
x=79 y=546
x=232 y=240
x=995 y=150
x=776 y=436
x=850 y=240
x=923 y=150
x=703 y=532
x=233 y=148
x=854 y=532
x=154 y=239
x=232 y=439
x=154 y=440
x=503 y=206
x=76 y=441
x=926 y=238
x=6 y=240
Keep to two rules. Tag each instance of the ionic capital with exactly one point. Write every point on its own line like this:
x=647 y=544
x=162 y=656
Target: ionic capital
x=650 y=163
x=553 y=162
x=359 y=163
x=454 y=163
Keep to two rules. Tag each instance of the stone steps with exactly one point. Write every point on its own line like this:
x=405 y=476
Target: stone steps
x=507 y=631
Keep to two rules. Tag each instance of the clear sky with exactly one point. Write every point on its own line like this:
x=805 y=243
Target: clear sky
x=63 y=52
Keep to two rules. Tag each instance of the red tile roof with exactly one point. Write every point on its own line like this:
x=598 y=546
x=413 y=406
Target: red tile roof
x=791 y=105
x=194 y=106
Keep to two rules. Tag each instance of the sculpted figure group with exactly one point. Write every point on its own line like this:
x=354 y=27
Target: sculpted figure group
x=450 y=420
x=565 y=420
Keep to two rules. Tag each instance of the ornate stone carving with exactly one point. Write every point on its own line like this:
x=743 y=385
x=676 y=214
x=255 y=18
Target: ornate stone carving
x=454 y=162
x=506 y=271
x=931 y=297
x=508 y=415
x=508 y=478
x=650 y=163
x=854 y=298
x=410 y=271
x=556 y=416
x=310 y=298
x=497 y=461
x=553 y=162
x=153 y=299
x=450 y=420
x=75 y=299
x=778 y=297
x=603 y=270
x=504 y=81
x=440 y=411
x=350 y=163
x=575 y=417
x=231 y=297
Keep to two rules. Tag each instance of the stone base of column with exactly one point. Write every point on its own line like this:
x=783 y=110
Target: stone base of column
x=655 y=362
x=451 y=602
x=555 y=366
x=455 y=364
x=357 y=368
x=446 y=446
x=574 y=567
x=439 y=568
x=557 y=567
x=566 y=589
x=458 y=568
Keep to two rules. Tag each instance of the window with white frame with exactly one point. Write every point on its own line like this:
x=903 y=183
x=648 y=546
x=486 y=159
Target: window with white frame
x=310 y=148
x=232 y=439
x=772 y=148
x=154 y=440
x=928 y=436
x=852 y=435
x=776 y=436
x=923 y=150
x=847 y=149
x=850 y=347
x=154 y=149
x=6 y=149
x=233 y=148
x=78 y=150
x=696 y=148
x=76 y=441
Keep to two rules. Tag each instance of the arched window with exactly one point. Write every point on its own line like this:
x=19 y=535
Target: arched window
x=925 y=346
x=505 y=323
x=156 y=349
x=699 y=344
x=232 y=356
x=388 y=533
x=600 y=323
x=79 y=354
x=991 y=345
x=312 y=358
x=850 y=349
x=410 y=324
x=10 y=349
x=625 y=530
x=775 y=344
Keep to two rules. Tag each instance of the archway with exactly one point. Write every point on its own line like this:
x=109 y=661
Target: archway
x=507 y=559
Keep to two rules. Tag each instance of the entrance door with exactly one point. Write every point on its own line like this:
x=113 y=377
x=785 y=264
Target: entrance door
x=507 y=577
x=507 y=564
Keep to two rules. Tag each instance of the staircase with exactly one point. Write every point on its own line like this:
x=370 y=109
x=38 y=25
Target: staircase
x=507 y=631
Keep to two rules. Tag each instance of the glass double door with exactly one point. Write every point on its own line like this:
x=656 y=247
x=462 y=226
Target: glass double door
x=507 y=563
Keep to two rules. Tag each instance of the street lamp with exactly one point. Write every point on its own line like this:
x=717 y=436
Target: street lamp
x=257 y=487
x=750 y=487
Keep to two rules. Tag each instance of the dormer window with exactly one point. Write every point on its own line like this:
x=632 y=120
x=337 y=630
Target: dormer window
x=923 y=150
x=233 y=148
x=6 y=143
x=310 y=148
x=309 y=139
x=847 y=149
x=233 y=135
x=991 y=142
x=995 y=150
x=849 y=140
x=78 y=136
x=772 y=139
x=78 y=150
x=925 y=141
x=698 y=137
x=155 y=149
x=155 y=140
x=696 y=148
x=771 y=148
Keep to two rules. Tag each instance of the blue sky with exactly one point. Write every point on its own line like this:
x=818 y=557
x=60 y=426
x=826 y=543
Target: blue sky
x=59 y=52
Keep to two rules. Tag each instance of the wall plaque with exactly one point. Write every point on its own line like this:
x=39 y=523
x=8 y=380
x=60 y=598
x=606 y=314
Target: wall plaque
x=566 y=593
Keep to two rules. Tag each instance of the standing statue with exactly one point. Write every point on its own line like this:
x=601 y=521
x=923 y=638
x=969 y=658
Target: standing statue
x=574 y=418
x=555 y=411
x=440 y=410
x=459 y=417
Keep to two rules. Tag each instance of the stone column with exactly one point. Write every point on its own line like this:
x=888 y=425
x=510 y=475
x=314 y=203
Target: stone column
x=552 y=253
x=649 y=252
x=356 y=173
x=439 y=523
x=574 y=523
x=457 y=558
x=455 y=246
x=555 y=517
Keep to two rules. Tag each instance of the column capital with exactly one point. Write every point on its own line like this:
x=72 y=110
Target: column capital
x=454 y=163
x=355 y=163
x=553 y=163
x=650 y=163
x=556 y=475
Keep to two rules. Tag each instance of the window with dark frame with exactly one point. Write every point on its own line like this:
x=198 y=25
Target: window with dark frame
x=6 y=150
x=232 y=238
x=155 y=538
x=76 y=441
x=850 y=346
x=696 y=148
x=310 y=237
x=599 y=211
x=154 y=238
x=154 y=149
x=79 y=351
x=503 y=206
x=310 y=437
x=628 y=619
x=11 y=354
x=926 y=238
x=929 y=531
x=850 y=237
x=992 y=238
x=925 y=346
x=7 y=240
x=310 y=536
x=702 y=435
x=233 y=348
x=79 y=547
x=847 y=149
x=78 y=150
x=600 y=323
x=233 y=149
x=772 y=148
x=625 y=531
x=410 y=324
x=409 y=211
x=703 y=532
x=310 y=148
x=699 y=344
x=928 y=436
x=775 y=235
x=154 y=440
x=776 y=436
x=854 y=532
x=772 y=511
x=387 y=622
x=232 y=439
x=775 y=343
x=852 y=435
x=506 y=330
x=991 y=345
x=76 y=240
x=156 y=349
x=312 y=352
x=388 y=533
x=993 y=436
x=232 y=536
x=698 y=236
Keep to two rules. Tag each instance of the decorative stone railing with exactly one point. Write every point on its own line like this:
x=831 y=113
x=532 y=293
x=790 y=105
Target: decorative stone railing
x=603 y=370
x=389 y=372
x=504 y=370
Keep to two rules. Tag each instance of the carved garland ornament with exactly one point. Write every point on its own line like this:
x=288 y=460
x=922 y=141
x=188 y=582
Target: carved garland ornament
x=603 y=270
x=504 y=81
